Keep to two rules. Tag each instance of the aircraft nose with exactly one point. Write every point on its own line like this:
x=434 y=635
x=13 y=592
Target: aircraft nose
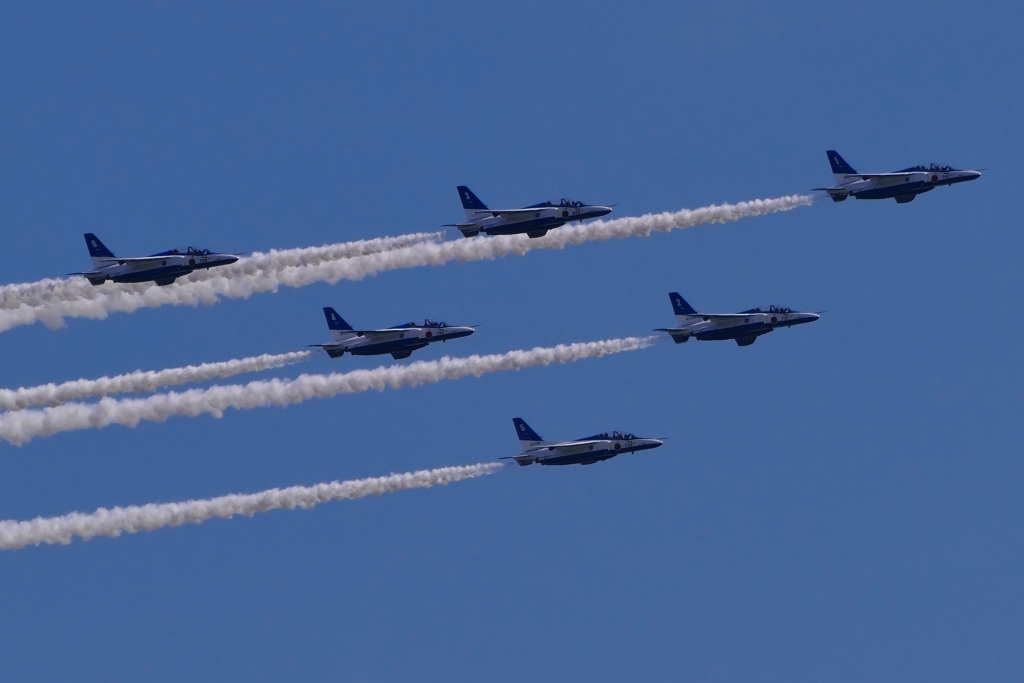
x=973 y=175
x=230 y=259
x=602 y=210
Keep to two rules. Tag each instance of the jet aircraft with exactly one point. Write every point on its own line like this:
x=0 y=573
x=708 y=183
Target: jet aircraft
x=902 y=186
x=163 y=268
x=400 y=341
x=744 y=327
x=534 y=220
x=585 y=451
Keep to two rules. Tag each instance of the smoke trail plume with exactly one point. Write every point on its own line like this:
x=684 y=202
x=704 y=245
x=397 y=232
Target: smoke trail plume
x=25 y=304
x=52 y=299
x=15 y=535
x=139 y=381
x=24 y=425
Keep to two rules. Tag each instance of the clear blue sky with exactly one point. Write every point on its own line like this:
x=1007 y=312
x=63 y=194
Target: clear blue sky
x=838 y=502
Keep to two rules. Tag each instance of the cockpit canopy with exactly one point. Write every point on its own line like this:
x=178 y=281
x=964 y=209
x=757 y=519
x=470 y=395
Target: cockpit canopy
x=613 y=436
x=770 y=309
x=426 y=322
x=561 y=202
x=931 y=168
x=196 y=251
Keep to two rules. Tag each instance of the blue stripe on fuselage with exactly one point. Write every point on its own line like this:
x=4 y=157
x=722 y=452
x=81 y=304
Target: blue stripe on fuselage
x=389 y=347
x=549 y=223
x=735 y=332
x=152 y=274
x=893 y=191
x=524 y=226
x=795 y=321
x=594 y=456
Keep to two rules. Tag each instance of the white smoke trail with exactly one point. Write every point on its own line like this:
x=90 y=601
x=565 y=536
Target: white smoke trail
x=24 y=425
x=148 y=380
x=239 y=282
x=15 y=535
x=52 y=299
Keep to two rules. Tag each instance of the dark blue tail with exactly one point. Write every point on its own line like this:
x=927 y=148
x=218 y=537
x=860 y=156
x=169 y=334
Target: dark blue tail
x=469 y=200
x=839 y=165
x=335 y=321
x=96 y=248
x=679 y=305
x=523 y=430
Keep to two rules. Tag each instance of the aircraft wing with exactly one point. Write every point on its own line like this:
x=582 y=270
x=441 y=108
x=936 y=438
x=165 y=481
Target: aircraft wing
x=141 y=261
x=568 y=444
x=499 y=212
x=715 y=316
x=384 y=332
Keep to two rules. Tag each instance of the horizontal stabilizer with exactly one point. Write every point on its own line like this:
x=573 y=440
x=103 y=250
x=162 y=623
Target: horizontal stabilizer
x=679 y=336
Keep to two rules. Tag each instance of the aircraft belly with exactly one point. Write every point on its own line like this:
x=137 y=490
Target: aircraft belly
x=378 y=349
x=580 y=458
x=506 y=228
x=734 y=332
x=151 y=274
x=893 y=191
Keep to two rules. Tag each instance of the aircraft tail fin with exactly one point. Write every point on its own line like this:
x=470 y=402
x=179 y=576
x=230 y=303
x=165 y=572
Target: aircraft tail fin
x=679 y=306
x=337 y=325
x=98 y=251
x=839 y=166
x=471 y=204
x=525 y=433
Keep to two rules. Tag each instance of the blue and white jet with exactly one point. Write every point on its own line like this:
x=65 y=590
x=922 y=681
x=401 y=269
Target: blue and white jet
x=585 y=451
x=400 y=341
x=534 y=220
x=163 y=268
x=744 y=327
x=902 y=186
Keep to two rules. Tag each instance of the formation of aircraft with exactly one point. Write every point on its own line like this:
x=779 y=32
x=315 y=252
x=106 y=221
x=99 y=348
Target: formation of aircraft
x=534 y=220
x=163 y=268
x=744 y=327
x=902 y=186
x=585 y=451
x=400 y=341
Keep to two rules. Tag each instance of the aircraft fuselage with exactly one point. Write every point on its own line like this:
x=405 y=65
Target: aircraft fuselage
x=591 y=453
x=537 y=223
x=162 y=269
x=894 y=188
x=398 y=342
